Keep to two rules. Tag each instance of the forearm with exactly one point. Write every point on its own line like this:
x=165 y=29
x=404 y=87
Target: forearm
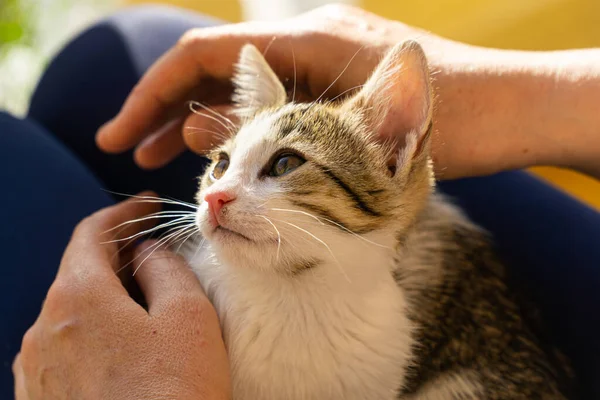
x=511 y=109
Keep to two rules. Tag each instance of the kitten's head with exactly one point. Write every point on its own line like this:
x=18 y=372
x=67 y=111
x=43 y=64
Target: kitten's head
x=299 y=182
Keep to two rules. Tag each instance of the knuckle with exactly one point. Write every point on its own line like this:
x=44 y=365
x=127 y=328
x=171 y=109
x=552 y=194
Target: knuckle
x=17 y=364
x=84 y=226
x=142 y=91
x=336 y=9
x=62 y=294
x=29 y=349
x=189 y=38
x=28 y=342
x=138 y=91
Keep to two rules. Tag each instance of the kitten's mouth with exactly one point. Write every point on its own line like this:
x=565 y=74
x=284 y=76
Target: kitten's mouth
x=219 y=229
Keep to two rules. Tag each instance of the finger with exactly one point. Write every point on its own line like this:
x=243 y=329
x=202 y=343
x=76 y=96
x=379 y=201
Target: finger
x=19 y=377
x=163 y=276
x=200 y=54
x=203 y=131
x=95 y=244
x=161 y=147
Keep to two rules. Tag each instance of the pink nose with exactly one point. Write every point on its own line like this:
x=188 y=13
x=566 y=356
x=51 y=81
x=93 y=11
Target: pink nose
x=216 y=201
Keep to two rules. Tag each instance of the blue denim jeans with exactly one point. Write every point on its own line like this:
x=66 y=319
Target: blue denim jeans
x=53 y=175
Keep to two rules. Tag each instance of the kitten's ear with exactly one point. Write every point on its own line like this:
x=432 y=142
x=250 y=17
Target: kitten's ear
x=255 y=84
x=396 y=101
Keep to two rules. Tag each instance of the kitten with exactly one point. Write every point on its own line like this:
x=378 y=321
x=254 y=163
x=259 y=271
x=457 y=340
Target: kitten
x=336 y=270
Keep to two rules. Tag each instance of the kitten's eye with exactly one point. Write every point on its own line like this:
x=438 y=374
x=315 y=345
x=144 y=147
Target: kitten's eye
x=219 y=169
x=285 y=163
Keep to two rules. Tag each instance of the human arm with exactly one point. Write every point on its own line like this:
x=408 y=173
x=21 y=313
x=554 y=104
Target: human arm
x=496 y=109
x=501 y=110
x=92 y=340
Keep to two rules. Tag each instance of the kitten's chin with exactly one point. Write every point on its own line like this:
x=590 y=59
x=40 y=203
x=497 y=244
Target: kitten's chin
x=238 y=253
x=221 y=233
x=239 y=249
x=227 y=236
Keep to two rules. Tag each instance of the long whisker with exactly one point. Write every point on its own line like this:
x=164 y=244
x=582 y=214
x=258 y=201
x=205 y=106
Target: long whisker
x=219 y=135
x=269 y=46
x=153 y=199
x=175 y=235
x=153 y=229
x=340 y=75
x=194 y=231
x=320 y=241
x=299 y=212
x=158 y=215
x=344 y=92
x=227 y=127
x=199 y=248
x=321 y=219
x=313 y=104
x=294 y=62
x=168 y=235
x=176 y=226
x=215 y=113
x=278 y=234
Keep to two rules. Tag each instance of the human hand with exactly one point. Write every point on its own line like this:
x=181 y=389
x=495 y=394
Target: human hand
x=93 y=341
x=488 y=116
x=333 y=45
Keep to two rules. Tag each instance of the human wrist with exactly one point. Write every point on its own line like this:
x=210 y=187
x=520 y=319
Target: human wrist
x=504 y=109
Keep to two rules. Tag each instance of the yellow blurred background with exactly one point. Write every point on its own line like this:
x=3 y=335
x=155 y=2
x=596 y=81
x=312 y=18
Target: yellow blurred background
x=517 y=24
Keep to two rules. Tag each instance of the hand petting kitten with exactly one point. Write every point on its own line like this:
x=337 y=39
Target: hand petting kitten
x=488 y=115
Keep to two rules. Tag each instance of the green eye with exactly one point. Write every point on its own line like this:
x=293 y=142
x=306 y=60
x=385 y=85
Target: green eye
x=285 y=163
x=219 y=169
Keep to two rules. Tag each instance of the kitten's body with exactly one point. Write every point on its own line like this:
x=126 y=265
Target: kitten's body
x=343 y=280
x=452 y=331
x=313 y=337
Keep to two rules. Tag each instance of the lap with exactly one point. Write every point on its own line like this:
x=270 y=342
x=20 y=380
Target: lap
x=46 y=192
x=51 y=171
x=546 y=237
x=549 y=241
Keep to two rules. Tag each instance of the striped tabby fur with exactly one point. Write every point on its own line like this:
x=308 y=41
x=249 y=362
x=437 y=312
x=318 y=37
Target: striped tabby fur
x=349 y=277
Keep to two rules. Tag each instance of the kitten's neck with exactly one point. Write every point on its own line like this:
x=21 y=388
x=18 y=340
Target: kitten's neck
x=321 y=325
x=357 y=268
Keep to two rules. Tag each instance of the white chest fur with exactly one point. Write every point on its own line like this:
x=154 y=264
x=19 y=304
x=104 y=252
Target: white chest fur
x=318 y=335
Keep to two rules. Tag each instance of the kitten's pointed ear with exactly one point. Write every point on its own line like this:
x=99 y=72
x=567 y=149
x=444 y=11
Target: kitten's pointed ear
x=396 y=101
x=255 y=84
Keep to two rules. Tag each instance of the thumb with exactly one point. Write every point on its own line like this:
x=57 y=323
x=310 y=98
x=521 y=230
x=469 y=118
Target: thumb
x=20 y=388
x=163 y=276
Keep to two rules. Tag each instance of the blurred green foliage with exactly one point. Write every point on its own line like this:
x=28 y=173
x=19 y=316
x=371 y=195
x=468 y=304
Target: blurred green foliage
x=15 y=23
x=31 y=31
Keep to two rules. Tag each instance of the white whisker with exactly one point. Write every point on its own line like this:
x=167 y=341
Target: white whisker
x=200 y=246
x=344 y=92
x=227 y=127
x=294 y=62
x=219 y=135
x=194 y=231
x=153 y=199
x=322 y=242
x=340 y=75
x=175 y=235
x=171 y=232
x=215 y=113
x=321 y=219
x=176 y=226
x=156 y=228
x=159 y=215
x=269 y=46
x=278 y=234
